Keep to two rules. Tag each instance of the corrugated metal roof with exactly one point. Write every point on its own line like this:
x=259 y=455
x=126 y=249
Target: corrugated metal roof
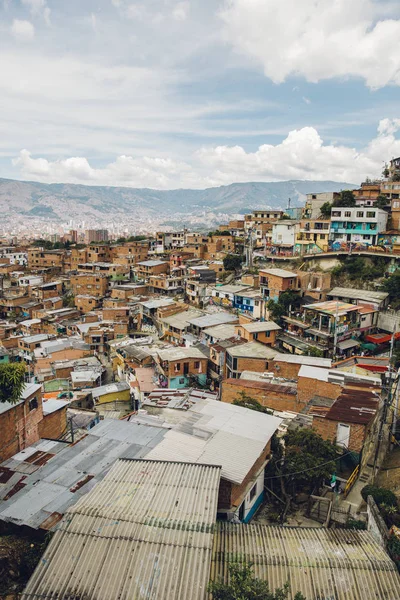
x=328 y=564
x=145 y=531
x=38 y=491
x=214 y=432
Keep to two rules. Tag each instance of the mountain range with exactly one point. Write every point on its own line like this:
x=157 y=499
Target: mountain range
x=59 y=201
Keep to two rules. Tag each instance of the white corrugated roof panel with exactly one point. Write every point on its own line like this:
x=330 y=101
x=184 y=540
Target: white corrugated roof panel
x=145 y=531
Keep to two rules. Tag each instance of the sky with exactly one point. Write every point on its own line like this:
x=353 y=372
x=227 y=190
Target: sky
x=198 y=93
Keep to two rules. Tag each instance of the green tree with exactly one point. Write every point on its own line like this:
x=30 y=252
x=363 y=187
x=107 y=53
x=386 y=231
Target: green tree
x=326 y=210
x=392 y=286
x=313 y=351
x=346 y=199
x=69 y=301
x=12 y=382
x=137 y=238
x=121 y=240
x=244 y=586
x=287 y=300
x=247 y=401
x=232 y=262
x=381 y=201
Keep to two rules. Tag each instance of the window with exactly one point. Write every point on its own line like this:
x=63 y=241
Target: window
x=360 y=214
x=336 y=213
x=347 y=213
x=33 y=403
x=322 y=236
x=255 y=336
x=182 y=380
x=370 y=214
x=177 y=367
x=235 y=363
x=253 y=493
x=197 y=364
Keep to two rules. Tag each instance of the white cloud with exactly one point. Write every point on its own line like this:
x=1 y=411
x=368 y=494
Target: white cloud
x=317 y=39
x=37 y=8
x=301 y=155
x=127 y=171
x=181 y=11
x=306 y=100
x=23 y=31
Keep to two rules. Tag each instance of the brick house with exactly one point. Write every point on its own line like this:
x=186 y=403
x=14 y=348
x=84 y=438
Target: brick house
x=288 y=365
x=146 y=268
x=252 y=356
x=19 y=423
x=95 y=285
x=182 y=367
x=274 y=282
x=264 y=332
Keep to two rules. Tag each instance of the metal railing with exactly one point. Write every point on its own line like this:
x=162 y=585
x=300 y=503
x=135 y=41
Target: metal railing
x=351 y=481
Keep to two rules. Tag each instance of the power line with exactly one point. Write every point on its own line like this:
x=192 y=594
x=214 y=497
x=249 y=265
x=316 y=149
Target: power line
x=311 y=468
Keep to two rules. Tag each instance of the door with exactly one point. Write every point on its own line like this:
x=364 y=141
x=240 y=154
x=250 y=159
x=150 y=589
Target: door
x=185 y=368
x=343 y=435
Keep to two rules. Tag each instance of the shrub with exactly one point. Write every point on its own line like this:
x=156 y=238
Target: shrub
x=356 y=524
x=380 y=495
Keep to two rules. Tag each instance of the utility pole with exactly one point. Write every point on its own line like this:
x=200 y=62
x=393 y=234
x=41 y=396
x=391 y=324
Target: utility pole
x=391 y=389
x=336 y=331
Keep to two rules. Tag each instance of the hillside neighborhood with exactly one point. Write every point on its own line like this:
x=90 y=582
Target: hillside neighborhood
x=175 y=403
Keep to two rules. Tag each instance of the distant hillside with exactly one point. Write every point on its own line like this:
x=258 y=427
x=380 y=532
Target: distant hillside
x=67 y=201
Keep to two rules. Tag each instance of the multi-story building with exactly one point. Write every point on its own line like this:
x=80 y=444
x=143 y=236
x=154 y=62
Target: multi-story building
x=144 y=270
x=356 y=225
x=96 y=235
x=313 y=236
x=168 y=285
x=273 y=282
x=391 y=189
x=284 y=235
x=39 y=259
x=367 y=194
x=92 y=284
x=171 y=240
x=261 y=217
x=312 y=207
x=182 y=367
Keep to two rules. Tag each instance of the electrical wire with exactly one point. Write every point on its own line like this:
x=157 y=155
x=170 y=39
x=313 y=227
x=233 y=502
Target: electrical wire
x=310 y=469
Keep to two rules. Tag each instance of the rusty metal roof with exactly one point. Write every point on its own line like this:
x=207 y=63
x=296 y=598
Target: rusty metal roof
x=328 y=564
x=145 y=531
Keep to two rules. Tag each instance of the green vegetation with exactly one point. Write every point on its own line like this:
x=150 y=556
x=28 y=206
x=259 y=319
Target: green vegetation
x=247 y=401
x=12 y=382
x=326 y=210
x=346 y=199
x=244 y=586
x=136 y=238
x=381 y=201
x=380 y=495
x=356 y=524
x=392 y=286
x=232 y=262
x=223 y=232
x=313 y=351
x=301 y=463
x=360 y=269
x=69 y=301
x=281 y=308
x=47 y=245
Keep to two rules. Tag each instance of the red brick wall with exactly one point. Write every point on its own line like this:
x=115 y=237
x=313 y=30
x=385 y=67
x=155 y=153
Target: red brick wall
x=307 y=388
x=328 y=430
x=273 y=400
x=53 y=425
x=286 y=370
x=19 y=429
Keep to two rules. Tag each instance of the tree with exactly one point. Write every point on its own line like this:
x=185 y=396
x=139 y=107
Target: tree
x=326 y=210
x=381 y=201
x=392 y=286
x=244 y=586
x=279 y=309
x=69 y=301
x=346 y=199
x=313 y=351
x=232 y=262
x=137 y=238
x=12 y=382
x=121 y=240
x=309 y=459
x=247 y=401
